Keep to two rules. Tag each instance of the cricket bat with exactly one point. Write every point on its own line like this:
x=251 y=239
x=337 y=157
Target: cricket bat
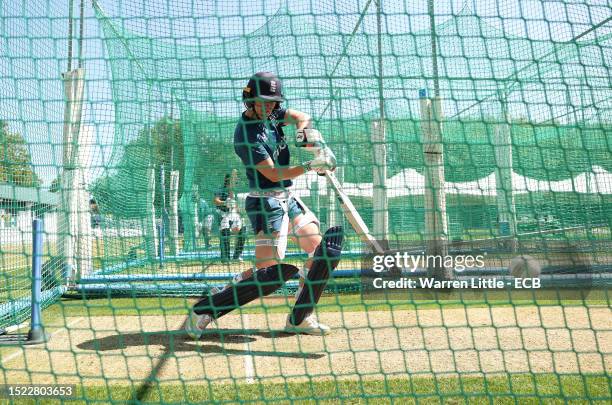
x=352 y=215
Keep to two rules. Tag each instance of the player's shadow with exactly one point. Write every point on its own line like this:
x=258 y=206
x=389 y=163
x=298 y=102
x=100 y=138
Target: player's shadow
x=223 y=334
x=178 y=341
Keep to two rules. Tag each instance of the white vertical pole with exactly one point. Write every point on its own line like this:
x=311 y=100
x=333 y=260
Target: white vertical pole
x=189 y=216
x=503 y=180
x=436 y=227
x=84 y=247
x=380 y=201
x=70 y=244
x=196 y=222
x=380 y=204
x=84 y=239
x=173 y=220
x=506 y=209
x=66 y=245
x=150 y=225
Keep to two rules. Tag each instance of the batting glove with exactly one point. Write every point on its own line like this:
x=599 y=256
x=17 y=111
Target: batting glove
x=325 y=160
x=310 y=139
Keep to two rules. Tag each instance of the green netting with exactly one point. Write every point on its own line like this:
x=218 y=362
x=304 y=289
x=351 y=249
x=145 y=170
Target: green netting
x=132 y=236
x=28 y=136
x=491 y=77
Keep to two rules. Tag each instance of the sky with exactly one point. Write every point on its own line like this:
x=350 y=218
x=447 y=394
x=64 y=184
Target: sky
x=33 y=47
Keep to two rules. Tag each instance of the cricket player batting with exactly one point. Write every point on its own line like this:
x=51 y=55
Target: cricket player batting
x=276 y=214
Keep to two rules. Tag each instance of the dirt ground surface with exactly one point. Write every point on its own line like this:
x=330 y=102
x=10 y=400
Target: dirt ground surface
x=246 y=348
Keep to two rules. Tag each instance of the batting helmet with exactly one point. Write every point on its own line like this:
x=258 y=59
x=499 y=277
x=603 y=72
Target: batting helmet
x=263 y=86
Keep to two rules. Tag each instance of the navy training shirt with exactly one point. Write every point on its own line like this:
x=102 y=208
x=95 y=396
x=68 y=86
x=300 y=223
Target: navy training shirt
x=255 y=141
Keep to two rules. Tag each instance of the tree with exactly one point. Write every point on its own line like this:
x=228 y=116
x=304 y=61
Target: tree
x=15 y=159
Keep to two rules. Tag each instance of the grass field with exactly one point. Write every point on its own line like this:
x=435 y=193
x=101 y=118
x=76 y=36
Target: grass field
x=126 y=349
x=494 y=348
x=526 y=389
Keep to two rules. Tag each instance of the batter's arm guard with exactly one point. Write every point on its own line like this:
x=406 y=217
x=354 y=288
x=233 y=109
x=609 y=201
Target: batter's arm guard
x=324 y=261
x=263 y=282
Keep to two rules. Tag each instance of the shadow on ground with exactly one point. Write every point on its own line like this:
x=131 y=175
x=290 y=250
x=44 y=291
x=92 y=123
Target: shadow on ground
x=179 y=341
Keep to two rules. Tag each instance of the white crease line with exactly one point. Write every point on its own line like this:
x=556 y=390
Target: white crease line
x=18 y=352
x=16 y=327
x=249 y=367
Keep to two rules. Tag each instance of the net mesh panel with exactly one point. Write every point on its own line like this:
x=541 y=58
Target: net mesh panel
x=493 y=73
x=526 y=132
x=31 y=129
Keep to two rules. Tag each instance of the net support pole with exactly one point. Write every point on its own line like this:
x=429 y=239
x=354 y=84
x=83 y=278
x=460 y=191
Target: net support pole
x=70 y=244
x=150 y=228
x=193 y=207
x=163 y=220
x=173 y=215
x=380 y=201
x=84 y=236
x=37 y=334
x=330 y=194
x=436 y=226
x=506 y=209
x=162 y=248
x=189 y=215
x=85 y=239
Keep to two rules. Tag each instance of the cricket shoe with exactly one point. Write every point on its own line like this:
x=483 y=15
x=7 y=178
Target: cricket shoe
x=309 y=326
x=196 y=324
